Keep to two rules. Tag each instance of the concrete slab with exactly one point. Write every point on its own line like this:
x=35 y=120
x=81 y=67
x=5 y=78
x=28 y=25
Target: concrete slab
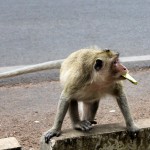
x=103 y=137
x=10 y=143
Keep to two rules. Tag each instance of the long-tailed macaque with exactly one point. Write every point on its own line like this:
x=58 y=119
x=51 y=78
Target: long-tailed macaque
x=88 y=75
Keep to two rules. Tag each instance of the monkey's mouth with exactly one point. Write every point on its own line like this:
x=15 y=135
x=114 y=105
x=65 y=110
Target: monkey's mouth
x=122 y=77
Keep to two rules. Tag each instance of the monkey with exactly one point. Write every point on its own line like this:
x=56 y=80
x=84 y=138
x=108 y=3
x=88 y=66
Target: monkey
x=86 y=76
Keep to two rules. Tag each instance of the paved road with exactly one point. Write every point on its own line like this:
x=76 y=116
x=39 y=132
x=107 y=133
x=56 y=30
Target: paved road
x=37 y=31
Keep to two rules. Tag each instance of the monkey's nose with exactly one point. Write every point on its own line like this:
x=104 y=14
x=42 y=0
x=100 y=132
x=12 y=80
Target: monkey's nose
x=124 y=68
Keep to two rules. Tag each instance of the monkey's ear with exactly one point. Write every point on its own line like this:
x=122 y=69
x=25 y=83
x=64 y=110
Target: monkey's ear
x=98 y=64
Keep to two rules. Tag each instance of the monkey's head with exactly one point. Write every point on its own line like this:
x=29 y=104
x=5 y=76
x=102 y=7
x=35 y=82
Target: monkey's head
x=88 y=66
x=108 y=66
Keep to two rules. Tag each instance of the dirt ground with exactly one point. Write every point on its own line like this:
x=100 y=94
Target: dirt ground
x=28 y=110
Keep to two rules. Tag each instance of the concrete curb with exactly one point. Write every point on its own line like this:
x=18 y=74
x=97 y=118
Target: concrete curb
x=102 y=137
x=53 y=75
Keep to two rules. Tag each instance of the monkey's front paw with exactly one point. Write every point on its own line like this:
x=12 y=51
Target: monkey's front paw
x=83 y=125
x=49 y=134
x=133 y=132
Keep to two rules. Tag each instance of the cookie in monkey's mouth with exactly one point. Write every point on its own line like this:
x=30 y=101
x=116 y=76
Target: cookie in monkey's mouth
x=131 y=79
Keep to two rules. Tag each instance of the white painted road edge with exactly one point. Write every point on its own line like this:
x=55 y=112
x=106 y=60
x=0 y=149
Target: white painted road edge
x=123 y=59
x=135 y=58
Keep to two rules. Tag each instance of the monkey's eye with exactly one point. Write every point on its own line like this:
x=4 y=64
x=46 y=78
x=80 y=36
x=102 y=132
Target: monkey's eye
x=116 y=61
x=98 y=64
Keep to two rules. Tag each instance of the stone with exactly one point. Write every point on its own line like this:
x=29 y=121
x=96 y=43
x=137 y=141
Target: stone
x=9 y=144
x=101 y=137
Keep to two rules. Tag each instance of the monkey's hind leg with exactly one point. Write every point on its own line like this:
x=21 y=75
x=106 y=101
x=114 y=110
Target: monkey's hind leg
x=89 y=111
x=74 y=115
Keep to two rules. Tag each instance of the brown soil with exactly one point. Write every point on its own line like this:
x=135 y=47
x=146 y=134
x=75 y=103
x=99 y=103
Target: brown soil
x=26 y=111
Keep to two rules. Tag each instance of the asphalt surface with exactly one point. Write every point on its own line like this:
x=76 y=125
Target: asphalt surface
x=37 y=31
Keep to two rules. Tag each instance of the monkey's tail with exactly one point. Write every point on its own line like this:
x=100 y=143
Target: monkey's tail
x=32 y=68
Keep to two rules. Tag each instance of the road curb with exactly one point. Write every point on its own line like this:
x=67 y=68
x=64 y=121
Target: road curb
x=132 y=63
